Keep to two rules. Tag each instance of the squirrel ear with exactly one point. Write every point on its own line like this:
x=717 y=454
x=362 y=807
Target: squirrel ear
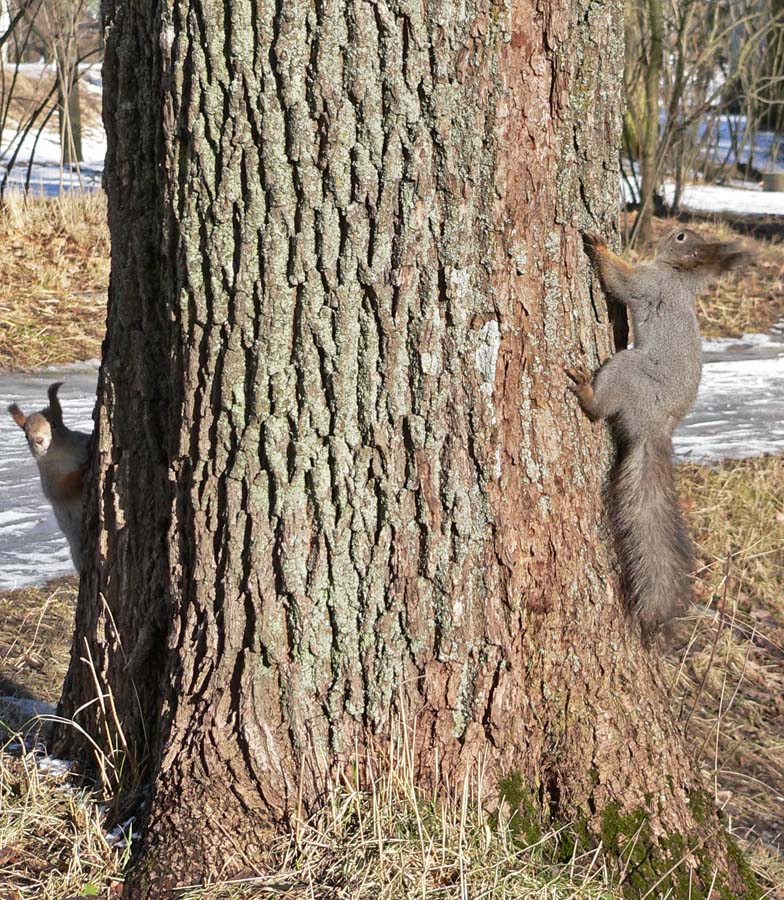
x=17 y=415
x=54 y=403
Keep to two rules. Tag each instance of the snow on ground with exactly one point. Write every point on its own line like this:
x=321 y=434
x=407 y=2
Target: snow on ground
x=25 y=706
x=739 y=410
x=749 y=200
x=51 y=765
x=47 y=175
x=740 y=198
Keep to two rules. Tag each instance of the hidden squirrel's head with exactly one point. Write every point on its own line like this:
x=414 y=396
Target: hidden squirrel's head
x=685 y=250
x=40 y=428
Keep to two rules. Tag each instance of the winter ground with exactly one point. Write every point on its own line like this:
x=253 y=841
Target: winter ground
x=745 y=200
x=740 y=406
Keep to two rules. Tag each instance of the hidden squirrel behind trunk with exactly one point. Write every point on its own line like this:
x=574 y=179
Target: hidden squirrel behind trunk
x=645 y=392
x=62 y=457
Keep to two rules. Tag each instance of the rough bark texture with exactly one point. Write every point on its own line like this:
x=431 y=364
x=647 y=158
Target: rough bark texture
x=339 y=475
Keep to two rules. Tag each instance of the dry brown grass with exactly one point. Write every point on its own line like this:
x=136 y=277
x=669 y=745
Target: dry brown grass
x=24 y=94
x=52 y=843
x=728 y=673
x=54 y=269
x=35 y=636
x=389 y=841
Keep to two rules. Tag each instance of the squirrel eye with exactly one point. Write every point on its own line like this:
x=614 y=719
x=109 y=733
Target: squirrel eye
x=680 y=236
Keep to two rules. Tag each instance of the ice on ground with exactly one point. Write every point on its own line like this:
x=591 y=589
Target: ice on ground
x=27 y=707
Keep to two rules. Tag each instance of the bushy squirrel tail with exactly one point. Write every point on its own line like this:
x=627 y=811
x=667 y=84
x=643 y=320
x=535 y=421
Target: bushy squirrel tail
x=654 y=545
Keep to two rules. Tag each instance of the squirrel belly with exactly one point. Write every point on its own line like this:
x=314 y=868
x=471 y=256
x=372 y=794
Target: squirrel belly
x=69 y=517
x=644 y=393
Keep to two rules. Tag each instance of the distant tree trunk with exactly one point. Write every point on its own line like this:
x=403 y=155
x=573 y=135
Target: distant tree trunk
x=338 y=474
x=648 y=159
x=69 y=111
x=5 y=24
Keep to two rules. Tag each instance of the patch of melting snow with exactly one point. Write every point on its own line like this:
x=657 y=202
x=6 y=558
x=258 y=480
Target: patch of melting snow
x=749 y=200
x=123 y=834
x=51 y=765
x=28 y=707
x=84 y=365
x=739 y=410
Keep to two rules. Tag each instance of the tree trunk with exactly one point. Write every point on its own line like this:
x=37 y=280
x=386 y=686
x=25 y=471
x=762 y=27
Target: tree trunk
x=649 y=169
x=69 y=110
x=339 y=477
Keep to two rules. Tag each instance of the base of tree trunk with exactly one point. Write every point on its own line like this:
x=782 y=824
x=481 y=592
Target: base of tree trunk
x=702 y=863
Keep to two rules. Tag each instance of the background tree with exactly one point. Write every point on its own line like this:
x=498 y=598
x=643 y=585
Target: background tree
x=695 y=73
x=338 y=476
x=63 y=35
x=650 y=142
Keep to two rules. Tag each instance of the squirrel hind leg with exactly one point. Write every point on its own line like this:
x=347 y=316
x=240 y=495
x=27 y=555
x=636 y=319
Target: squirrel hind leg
x=601 y=395
x=582 y=387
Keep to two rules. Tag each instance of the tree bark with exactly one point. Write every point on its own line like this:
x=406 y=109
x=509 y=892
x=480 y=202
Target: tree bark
x=338 y=475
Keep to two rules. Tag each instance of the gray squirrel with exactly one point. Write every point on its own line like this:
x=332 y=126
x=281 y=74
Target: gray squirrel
x=644 y=392
x=61 y=456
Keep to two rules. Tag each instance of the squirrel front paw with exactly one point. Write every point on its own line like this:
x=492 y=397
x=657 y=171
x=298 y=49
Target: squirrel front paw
x=581 y=377
x=594 y=243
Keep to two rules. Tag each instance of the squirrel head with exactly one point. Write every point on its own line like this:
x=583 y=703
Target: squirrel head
x=40 y=428
x=685 y=250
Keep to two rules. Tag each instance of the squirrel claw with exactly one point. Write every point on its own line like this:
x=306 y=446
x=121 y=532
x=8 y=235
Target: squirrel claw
x=593 y=242
x=580 y=376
